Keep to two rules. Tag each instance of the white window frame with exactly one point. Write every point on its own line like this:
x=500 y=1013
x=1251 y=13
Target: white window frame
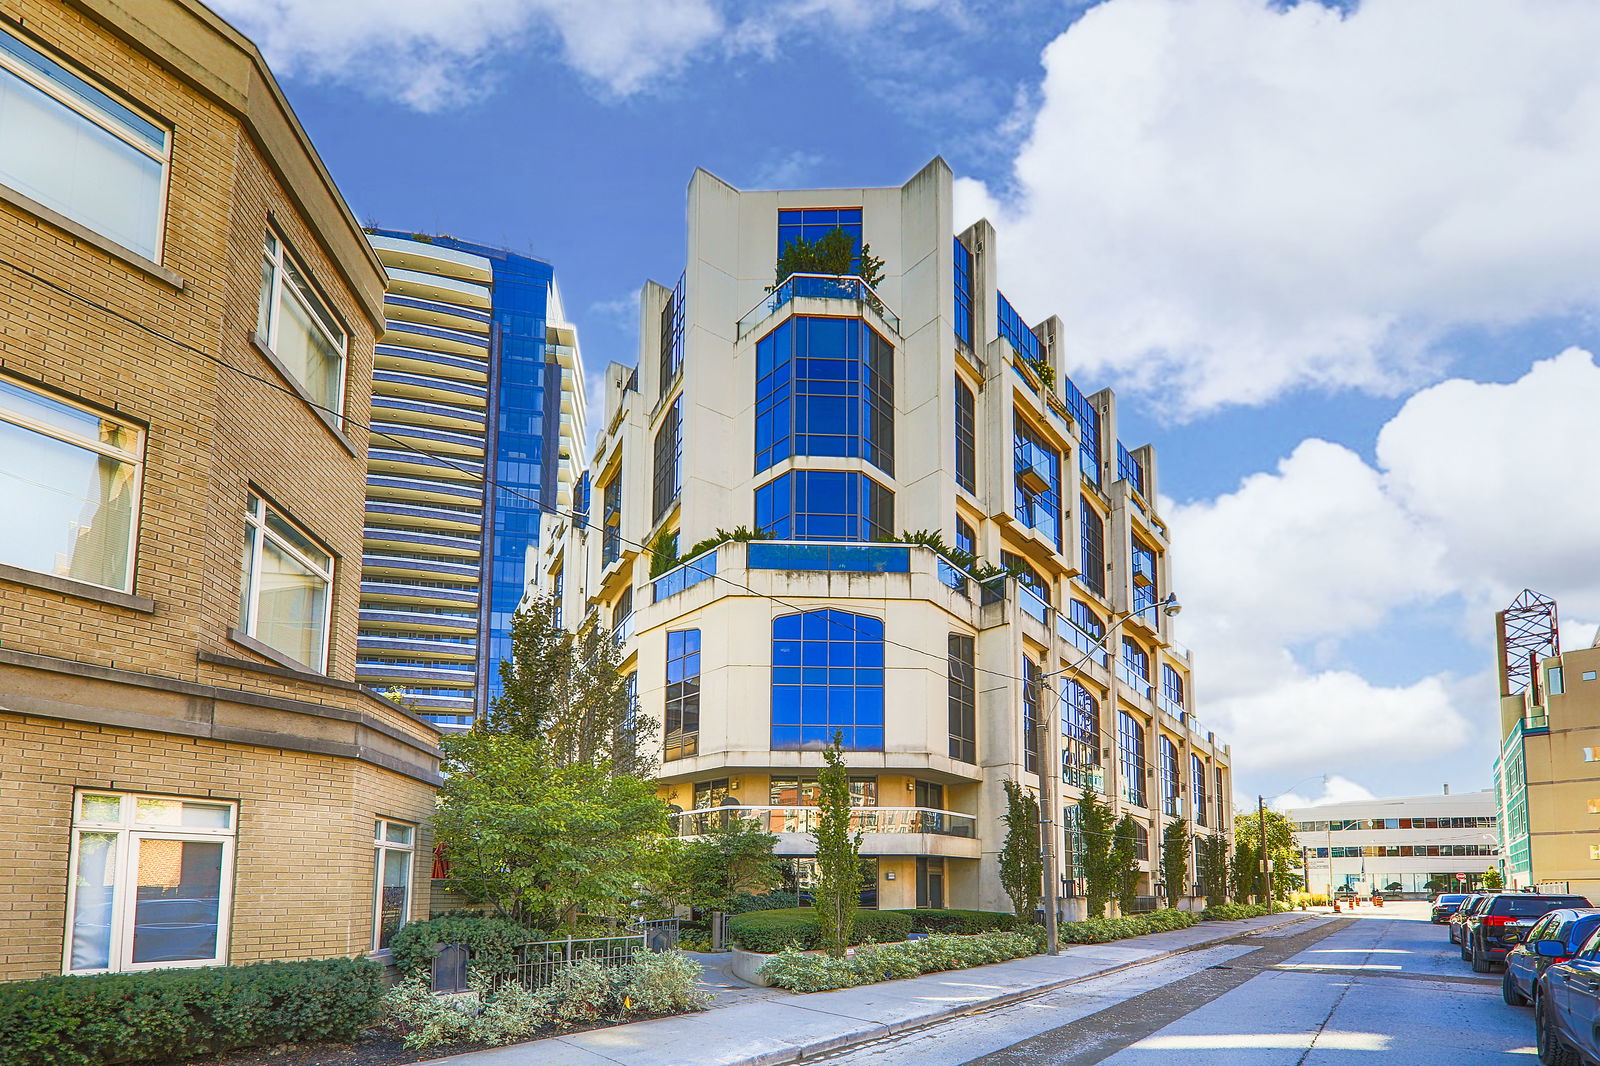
x=106 y=121
x=134 y=456
x=276 y=251
x=256 y=528
x=381 y=846
x=129 y=832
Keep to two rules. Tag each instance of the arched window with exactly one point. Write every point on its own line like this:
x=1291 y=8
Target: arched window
x=1080 y=722
x=827 y=678
x=1130 y=747
x=1169 y=778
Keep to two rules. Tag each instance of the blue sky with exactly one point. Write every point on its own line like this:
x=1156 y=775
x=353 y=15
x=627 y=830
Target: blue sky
x=1329 y=256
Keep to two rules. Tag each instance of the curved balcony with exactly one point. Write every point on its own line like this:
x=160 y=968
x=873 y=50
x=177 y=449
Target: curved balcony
x=453 y=341
x=825 y=287
x=381 y=671
x=374 y=618
x=409 y=253
x=377 y=592
x=884 y=830
x=406 y=359
x=440 y=519
x=442 y=441
x=423 y=490
x=400 y=307
x=385 y=565
x=432 y=415
x=429 y=388
x=394 y=461
x=384 y=537
x=429 y=286
x=445 y=650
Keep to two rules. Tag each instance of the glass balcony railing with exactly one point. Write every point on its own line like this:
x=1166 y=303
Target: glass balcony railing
x=701 y=568
x=1141 y=685
x=1172 y=707
x=1033 y=605
x=844 y=558
x=1085 y=642
x=818 y=287
x=927 y=820
x=1084 y=777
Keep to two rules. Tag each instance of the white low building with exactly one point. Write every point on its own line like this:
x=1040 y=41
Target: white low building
x=1411 y=845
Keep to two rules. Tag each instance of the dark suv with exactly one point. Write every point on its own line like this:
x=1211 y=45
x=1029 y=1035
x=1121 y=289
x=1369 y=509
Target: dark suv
x=1498 y=924
x=1445 y=905
x=1468 y=905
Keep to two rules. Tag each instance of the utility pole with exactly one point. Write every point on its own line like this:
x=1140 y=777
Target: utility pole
x=1049 y=802
x=1266 y=862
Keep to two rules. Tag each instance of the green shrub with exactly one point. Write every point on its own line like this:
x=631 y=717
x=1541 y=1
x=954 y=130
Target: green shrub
x=820 y=973
x=959 y=921
x=490 y=1016
x=744 y=902
x=1230 y=912
x=774 y=930
x=181 y=1013
x=1101 y=930
x=491 y=941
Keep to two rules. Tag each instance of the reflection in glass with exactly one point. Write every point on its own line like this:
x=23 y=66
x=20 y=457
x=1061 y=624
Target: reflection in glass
x=178 y=900
x=94 y=899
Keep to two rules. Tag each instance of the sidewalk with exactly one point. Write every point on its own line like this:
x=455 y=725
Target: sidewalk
x=787 y=1027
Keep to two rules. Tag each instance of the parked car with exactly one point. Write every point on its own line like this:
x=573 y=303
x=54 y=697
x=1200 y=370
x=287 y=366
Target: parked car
x=1466 y=908
x=1566 y=1004
x=1569 y=927
x=1445 y=904
x=1501 y=921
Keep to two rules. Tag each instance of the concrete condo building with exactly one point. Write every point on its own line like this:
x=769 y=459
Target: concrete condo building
x=1547 y=778
x=834 y=416
x=193 y=775
x=477 y=427
x=1411 y=846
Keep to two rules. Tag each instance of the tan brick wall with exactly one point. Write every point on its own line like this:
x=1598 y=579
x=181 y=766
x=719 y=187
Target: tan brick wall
x=303 y=872
x=304 y=862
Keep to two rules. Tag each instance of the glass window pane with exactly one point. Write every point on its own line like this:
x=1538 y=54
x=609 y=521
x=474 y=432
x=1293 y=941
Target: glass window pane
x=307 y=353
x=291 y=607
x=51 y=153
x=92 y=808
x=399 y=834
x=77 y=507
x=284 y=529
x=178 y=886
x=394 y=892
x=94 y=900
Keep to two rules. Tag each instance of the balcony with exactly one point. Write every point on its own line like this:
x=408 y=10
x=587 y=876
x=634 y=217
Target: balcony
x=383 y=671
x=885 y=830
x=818 y=287
x=374 y=618
x=1032 y=604
x=1140 y=685
x=378 y=565
x=1081 y=639
x=444 y=649
x=818 y=555
x=404 y=592
x=701 y=568
x=1172 y=708
x=1035 y=468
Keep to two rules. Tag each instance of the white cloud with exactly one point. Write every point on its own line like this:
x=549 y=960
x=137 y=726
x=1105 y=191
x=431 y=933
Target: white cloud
x=1335 y=789
x=436 y=54
x=1480 y=490
x=1233 y=199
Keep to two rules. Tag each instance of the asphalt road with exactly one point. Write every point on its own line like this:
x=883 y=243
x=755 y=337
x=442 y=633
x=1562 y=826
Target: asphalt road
x=1379 y=988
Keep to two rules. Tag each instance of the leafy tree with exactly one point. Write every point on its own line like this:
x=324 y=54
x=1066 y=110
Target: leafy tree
x=832 y=253
x=1211 y=867
x=1492 y=881
x=1282 y=849
x=1175 y=859
x=544 y=841
x=1125 y=862
x=732 y=857
x=838 y=887
x=1099 y=872
x=565 y=693
x=1246 y=871
x=1021 y=865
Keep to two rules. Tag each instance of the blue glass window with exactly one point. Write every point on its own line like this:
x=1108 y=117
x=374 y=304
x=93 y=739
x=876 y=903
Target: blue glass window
x=811 y=224
x=1172 y=684
x=824 y=387
x=669 y=459
x=671 y=337
x=611 y=521
x=1084 y=617
x=827 y=678
x=1144 y=580
x=1037 y=481
x=1013 y=329
x=1136 y=658
x=683 y=694
x=966 y=438
x=963 y=682
x=1088 y=420
x=825 y=505
x=966 y=539
x=1130 y=469
x=1197 y=785
x=1032 y=684
x=1130 y=744
x=580 y=504
x=1080 y=720
x=1092 y=538
x=963 y=304
x=1168 y=769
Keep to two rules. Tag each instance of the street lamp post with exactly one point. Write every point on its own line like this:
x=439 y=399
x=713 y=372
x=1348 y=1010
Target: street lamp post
x=1050 y=769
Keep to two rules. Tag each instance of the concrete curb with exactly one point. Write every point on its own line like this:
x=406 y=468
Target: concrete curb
x=933 y=1017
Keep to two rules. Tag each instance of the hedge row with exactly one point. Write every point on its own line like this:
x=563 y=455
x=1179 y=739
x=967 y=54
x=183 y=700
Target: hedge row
x=1100 y=930
x=158 y=1015
x=959 y=921
x=491 y=941
x=820 y=973
x=1230 y=912
x=772 y=931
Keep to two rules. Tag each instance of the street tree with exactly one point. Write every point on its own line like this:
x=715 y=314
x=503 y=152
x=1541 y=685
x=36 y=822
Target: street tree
x=838 y=886
x=1282 y=849
x=732 y=856
x=543 y=842
x=1021 y=865
x=1492 y=881
x=1175 y=859
x=1211 y=867
x=1125 y=862
x=1246 y=873
x=1096 y=826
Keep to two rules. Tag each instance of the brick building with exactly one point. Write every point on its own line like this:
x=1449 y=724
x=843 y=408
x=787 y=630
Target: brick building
x=187 y=317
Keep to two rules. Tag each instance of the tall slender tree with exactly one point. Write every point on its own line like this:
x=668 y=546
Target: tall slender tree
x=1246 y=872
x=1211 y=867
x=1097 y=827
x=1021 y=865
x=1175 y=859
x=1124 y=858
x=838 y=887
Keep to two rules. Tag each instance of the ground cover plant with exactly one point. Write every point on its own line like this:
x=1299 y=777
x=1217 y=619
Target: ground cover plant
x=800 y=972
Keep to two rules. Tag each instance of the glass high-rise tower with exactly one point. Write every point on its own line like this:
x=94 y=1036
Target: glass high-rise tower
x=477 y=429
